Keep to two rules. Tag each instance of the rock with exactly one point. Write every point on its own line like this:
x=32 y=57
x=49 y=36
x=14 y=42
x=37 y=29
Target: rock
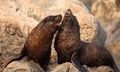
x=69 y=67
x=101 y=7
x=8 y=14
x=14 y=28
x=22 y=66
x=88 y=3
x=30 y=66
x=32 y=8
x=101 y=69
x=11 y=41
x=65 y=67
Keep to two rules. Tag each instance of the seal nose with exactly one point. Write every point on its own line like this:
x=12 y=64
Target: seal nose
x=68 y=12
x=58 y=18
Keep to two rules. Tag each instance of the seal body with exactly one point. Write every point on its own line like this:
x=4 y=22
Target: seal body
x=38 y=44
x=93 y=55
x=67 y=38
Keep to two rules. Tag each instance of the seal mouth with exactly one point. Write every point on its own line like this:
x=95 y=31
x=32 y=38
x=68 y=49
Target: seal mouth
x=58 y=19
x=68 y=13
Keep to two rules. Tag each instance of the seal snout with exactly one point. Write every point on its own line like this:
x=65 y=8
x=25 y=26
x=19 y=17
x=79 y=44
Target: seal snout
x=68 y=12
x=58 y=18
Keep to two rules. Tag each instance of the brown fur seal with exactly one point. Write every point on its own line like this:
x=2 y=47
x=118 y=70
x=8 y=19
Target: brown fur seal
x=38 y=44
x=69 y=47
x=67 y=38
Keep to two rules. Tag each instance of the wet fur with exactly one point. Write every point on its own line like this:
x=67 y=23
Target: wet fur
x=38 y=44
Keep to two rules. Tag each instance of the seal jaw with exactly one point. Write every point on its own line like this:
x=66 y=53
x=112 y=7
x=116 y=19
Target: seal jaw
x=58 y=18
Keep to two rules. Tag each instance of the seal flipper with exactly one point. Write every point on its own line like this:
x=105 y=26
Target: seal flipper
x=23 y=54
x=116 y=69
x=60 y=59
x=77 y=64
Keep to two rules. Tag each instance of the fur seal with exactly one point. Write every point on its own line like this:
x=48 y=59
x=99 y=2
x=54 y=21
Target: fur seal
x=67 y=38
x=70 y=48
x=38 y=44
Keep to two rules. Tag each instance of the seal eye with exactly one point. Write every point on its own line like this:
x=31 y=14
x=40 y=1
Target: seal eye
x=48 y=19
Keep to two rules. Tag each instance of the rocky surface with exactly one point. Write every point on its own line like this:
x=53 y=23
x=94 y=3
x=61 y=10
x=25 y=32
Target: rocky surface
x=19 y=17
x=30 y=66
x=23 y=66
x=11 y=40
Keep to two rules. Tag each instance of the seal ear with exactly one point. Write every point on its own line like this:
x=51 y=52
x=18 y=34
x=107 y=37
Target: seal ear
x=77 y=64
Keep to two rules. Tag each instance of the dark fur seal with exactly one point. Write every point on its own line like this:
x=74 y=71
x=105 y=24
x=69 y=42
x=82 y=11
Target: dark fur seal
x=67 y=38
x=38 y=44
x=70 y=48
